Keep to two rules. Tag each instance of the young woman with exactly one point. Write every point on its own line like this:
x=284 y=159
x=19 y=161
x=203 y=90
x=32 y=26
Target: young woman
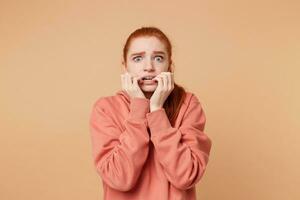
x=147 y=139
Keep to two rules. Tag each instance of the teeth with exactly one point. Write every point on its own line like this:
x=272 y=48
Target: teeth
x=147 y=78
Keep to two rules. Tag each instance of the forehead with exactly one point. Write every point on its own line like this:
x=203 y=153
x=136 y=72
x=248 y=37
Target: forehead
x=146 y=44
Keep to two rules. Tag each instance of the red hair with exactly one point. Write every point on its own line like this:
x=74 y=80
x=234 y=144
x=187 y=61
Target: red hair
x=175 y=99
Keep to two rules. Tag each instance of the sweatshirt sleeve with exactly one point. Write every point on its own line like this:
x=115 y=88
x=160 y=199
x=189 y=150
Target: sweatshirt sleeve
x=184 y=151
x=119 y=156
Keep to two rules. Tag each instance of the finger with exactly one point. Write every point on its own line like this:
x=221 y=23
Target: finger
x=159 y=81
x=165 y=82
x=169 y=81
x=133 y=79
x=135 y=82
x=130 y=77
x=169 y=76
x=127 y=81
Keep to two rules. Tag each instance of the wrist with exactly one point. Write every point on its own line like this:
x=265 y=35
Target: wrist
x=154 y=108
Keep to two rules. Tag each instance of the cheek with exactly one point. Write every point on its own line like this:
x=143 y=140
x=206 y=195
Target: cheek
x=162 y=67
x=134 y=69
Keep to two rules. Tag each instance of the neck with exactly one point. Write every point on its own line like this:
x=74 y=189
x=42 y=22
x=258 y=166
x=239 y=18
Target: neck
x=148 y=94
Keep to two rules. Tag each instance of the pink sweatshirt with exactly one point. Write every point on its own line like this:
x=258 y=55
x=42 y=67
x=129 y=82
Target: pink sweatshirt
x=140 y=156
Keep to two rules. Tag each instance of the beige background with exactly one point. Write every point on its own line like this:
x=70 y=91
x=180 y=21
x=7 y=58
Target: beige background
x=241 y=58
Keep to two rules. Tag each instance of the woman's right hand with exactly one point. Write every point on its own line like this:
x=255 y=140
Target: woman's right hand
x=131 y=86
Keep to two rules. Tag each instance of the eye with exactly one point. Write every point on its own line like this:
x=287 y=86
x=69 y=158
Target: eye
x=136 y=58
x=160 y=58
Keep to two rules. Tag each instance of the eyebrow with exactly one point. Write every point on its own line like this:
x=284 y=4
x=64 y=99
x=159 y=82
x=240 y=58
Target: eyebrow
x=143 y=52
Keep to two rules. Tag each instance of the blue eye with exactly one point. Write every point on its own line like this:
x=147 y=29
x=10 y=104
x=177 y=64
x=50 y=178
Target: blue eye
x=134 y=59
x=160 y=58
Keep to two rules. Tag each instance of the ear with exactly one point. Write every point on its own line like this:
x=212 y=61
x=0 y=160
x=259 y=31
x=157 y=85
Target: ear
x=124 y=67
x=171 y=67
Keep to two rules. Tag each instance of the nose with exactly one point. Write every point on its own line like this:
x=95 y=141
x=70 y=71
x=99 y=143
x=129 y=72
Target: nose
x=149 y=66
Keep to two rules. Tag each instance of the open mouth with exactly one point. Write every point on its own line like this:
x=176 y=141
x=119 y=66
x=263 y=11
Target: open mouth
x=147 y=78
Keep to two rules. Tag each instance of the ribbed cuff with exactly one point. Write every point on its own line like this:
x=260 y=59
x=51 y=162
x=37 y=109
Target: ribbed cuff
x=139 y=107
x=158 y=121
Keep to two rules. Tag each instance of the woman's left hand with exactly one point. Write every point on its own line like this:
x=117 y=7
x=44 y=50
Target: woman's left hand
x=164 y=88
